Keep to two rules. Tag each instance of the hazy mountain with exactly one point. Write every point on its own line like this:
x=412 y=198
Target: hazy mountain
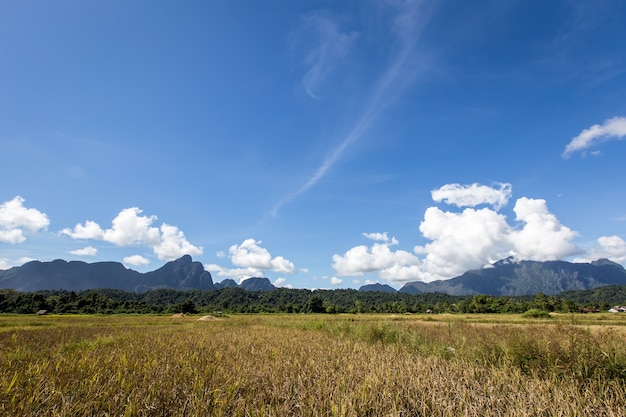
x=181 y=274
x=377 y=287
x=226 y=283
x=512 y=277
x=257 y=284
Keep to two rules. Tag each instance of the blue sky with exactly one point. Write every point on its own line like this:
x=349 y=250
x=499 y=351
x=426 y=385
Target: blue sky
x=323 y=144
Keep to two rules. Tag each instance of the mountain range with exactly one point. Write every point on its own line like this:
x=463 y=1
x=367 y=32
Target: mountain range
x=512 y=277
x=508 y=277
x=181 y=274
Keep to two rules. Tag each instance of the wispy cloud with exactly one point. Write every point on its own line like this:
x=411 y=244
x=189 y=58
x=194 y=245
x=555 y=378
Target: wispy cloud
x=614 y=128
x=409 y=19
x=327 y=46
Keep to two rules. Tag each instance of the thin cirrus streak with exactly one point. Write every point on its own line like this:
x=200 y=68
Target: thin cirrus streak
x=408 y=24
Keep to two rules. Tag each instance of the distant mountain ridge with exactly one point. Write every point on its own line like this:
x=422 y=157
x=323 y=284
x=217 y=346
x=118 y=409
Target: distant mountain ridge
x=512 y=277
x=180 y=274
x=508 y=277
x=377 y=287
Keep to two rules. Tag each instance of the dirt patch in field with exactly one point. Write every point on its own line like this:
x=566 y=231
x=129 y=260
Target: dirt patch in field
x=208 y=318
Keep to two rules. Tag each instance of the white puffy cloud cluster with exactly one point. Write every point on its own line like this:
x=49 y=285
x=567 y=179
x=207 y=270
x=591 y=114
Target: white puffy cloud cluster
x=473 y=195
x=130 y=228
x=86 y=251
x=336 y=281
x=614 y=128
x=250 y=260
x=468 y=239
x=15 y=219
x=136 y=260
x=609 y=247
x=471 y=237
x=543 y=237
x=282 y=283
x=378 y=257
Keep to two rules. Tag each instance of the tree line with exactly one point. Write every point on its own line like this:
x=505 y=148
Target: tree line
x=285 y=300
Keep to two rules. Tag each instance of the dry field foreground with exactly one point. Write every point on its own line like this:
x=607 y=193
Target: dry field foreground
x=311 y=365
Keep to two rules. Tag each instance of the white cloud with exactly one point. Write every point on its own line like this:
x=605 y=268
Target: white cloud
x=250 y=255
x=136 y=260
x=130 y=228
x=468 y=239
x=24 y=259
x=381 y=237
x=473 y=195
x=86 y=251
x=172 y=244
x=335 y=281
x=238 y=274
x=91 y=230
x=609 y=247
x=7 y=263
x=251 y=260
x=377 y=258
x=282 y=283
x=614 y=128
x=461 y=241
x=15 y=219
x=543 y=237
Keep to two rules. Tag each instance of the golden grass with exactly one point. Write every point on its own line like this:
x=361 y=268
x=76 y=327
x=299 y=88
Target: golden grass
x=279 y=365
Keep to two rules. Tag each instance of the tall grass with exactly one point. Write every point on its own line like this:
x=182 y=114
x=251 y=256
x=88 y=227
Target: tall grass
x=307 y=366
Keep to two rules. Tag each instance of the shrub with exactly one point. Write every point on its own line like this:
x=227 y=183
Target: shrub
x=535 y=313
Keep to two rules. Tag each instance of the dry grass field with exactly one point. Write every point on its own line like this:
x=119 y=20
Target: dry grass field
x=313 y=365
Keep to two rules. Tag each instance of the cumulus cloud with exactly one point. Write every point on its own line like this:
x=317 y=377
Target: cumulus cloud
x=130 y=228
x=238 y=274
x=86 y=251
x=90 y=230
x=250 y=255
x=609 y=247
x=467 y=239
x=15 y=219
x=378 y=257
x=542 y=237
x=460 y=241
x=282 y=283
x=251 y=260
x=614 y=128
x=335 y=281
x=136 y=260
x=473 y=195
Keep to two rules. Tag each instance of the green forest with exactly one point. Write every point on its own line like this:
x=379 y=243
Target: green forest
x=284 y=300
